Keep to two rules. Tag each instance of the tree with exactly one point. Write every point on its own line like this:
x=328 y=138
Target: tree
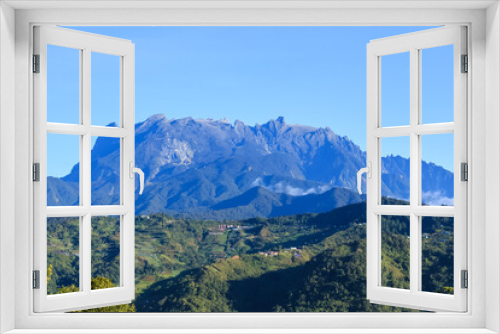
x=49 y=273
x=100 y=283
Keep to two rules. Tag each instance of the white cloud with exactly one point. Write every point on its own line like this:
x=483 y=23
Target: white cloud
x=283 y=188
x=436 y=198
x=257 y=182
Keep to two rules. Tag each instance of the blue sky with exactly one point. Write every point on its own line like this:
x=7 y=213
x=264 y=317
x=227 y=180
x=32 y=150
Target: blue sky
x=310 y=75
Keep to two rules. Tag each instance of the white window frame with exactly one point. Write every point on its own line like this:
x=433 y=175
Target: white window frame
x=86 y=44
x=483 y=212
x=414 y=43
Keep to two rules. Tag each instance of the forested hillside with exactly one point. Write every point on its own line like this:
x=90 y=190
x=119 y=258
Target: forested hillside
x=298 y=263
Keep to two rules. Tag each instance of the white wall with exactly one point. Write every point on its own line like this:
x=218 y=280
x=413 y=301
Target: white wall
x=492 y=166
x=7 y=161
x=486 y=158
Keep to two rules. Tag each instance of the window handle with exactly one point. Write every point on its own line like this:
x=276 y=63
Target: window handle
x=368 y=171
x=139 y=171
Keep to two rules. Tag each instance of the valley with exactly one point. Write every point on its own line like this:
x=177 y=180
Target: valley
x=297 y=263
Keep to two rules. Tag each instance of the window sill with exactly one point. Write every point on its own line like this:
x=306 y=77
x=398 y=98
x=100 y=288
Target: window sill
x=251 y=331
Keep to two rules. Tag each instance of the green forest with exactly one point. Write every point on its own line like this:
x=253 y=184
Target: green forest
x=298 y=263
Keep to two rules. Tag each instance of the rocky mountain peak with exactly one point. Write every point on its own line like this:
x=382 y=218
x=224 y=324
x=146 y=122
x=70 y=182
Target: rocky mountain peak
x=193 y=164
x=158 y=117
x=238 y=123
x=275 y=125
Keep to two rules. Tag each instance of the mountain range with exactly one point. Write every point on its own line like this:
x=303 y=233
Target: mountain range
x=208 y=168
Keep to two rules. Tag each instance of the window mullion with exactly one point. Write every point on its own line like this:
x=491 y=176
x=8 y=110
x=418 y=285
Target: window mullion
x=421 y=211
x=431 y=129
x=86 y=239
x=414 y=169
x=418 y=117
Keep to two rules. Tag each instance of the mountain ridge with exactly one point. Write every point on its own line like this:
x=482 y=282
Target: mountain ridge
x=193 y=165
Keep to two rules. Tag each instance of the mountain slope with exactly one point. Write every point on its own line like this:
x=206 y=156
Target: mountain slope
x=193 y=167
x=260 y=202
x=297 y=263
x=334 y=280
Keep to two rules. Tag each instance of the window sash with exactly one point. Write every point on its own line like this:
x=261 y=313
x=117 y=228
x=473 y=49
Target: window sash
x=414 y=298
x=85 y=298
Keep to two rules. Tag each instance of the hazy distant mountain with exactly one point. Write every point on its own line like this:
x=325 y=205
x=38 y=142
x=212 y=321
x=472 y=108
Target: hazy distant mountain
x=260 y=202
x=201 y=166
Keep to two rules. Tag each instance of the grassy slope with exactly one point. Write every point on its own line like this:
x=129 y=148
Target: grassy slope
x=182 y=265
x=332 y=281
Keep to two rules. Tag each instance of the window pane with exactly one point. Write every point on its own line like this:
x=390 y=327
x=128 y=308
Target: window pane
x=63 y=255
x=395 y=89
x=63 y=170
x=105 y=90
x=437 y=169
x=63 y=85
x=105 y=252
x=437 y=84
x=437 y=254
x=396 y=252
x=105 y=171
x=395 y=169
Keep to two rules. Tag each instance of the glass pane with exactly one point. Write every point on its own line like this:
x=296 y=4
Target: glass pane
x=395 y=169
x=395 y=89
x=63 y=85
x=63 y=255
x=396 y=252
x=105 y=252
x=437 y=169
x=63 y=170
x=437 y=84
x=105 y=171
x=437 y=254
x=105 y=90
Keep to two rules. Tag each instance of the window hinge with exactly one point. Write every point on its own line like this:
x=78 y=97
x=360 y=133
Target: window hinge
x=36 y=279
x=465 y=64
x=464 y=170
x=465 y=279
x=36 y=172
x=36 y=63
